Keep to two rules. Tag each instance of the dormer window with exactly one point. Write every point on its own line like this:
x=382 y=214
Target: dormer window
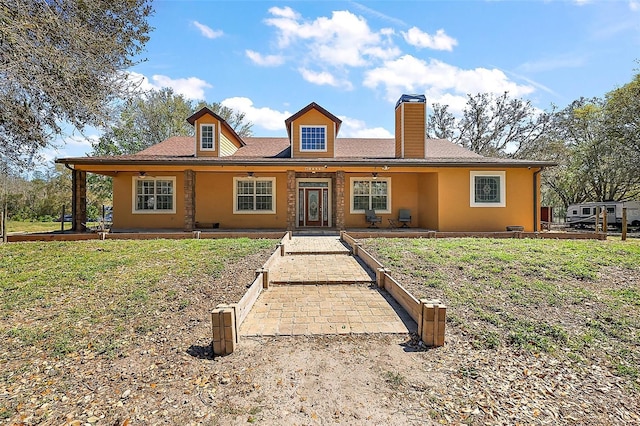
x=206 y=137
x=313 y=138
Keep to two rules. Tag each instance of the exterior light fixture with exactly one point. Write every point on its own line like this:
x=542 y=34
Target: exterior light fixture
x=142 y=175
x=375 y=175
x=250 y=175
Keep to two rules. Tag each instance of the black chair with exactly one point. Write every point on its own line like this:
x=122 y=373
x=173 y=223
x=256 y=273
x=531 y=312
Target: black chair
x=404 y=217
x=372 y=218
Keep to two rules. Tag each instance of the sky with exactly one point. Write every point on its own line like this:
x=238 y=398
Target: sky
x=355 y=59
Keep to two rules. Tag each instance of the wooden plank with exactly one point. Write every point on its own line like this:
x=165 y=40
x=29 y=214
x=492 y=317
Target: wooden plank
x=403 y=297
x=249 y=299
x=371 y=261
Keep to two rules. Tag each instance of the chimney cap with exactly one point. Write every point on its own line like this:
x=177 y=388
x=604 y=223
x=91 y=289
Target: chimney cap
x=411 y=98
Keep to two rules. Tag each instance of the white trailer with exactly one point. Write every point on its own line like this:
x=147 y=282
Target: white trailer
x=584 y=214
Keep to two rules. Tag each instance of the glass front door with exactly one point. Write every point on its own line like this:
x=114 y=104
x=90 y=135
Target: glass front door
x=313 y=204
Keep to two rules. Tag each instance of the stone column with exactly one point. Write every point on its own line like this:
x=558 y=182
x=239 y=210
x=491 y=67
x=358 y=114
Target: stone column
x=189 y=200
x=291 y=200
x=79 y=201
x=340 y=200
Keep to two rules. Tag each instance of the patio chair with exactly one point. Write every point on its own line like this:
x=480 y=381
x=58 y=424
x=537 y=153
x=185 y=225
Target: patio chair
x=404 y=217
x=371 y=217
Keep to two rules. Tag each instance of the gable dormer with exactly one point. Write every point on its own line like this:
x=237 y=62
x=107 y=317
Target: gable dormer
x=312 y=132
x=213 y=135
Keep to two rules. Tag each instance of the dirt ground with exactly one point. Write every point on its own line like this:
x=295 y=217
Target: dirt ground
x=168 y=376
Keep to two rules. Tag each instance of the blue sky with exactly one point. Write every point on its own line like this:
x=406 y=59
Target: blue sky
x=270 y=59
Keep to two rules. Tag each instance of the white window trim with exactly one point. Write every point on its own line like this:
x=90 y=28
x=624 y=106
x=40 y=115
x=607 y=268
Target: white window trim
x=134 y=201
x=213 y=135
x=371 y=179
x=255 y=179
x=326 y=137
x=503 y=188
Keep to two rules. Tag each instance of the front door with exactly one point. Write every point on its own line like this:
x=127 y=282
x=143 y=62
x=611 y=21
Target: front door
x=314 y=208
x=313 y=202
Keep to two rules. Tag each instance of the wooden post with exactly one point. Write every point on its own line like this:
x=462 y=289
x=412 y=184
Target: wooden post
x=3 y=223
x=62 y=219
x=624 y=224
x=604 y=220
x=597 y=220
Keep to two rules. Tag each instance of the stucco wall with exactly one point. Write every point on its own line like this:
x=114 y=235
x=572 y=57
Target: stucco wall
x=214 y=202
x=123 y=216
x=456 y=214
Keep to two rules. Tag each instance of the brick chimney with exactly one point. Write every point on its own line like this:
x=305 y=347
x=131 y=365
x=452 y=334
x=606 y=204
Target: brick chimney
x=411 y=131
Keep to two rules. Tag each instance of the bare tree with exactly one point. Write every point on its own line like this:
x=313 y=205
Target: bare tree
x=63 y=61
x=491 y=125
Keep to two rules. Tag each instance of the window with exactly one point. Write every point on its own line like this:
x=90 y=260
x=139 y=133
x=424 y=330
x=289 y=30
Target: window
x=488 y=189
x=313 y=138
x=154 y=195
x=254 y=195
x=206 y=137
x=586 y=210
x=369 y=193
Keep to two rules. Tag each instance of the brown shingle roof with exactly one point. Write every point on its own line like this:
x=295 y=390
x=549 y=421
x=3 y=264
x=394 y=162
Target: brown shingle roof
x=176 y=146
x=276 y=150
x=259 y=147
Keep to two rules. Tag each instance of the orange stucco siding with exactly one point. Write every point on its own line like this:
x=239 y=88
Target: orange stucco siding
x=208 y=119
x=427 y=214
x=456 y=214
x=214 y=202
x=404 y=195
x=123 y=216
x=313 y=118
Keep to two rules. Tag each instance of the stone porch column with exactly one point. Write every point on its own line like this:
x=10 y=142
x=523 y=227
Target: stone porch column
x=189 y=200
x=79 y=200
x=340 y=201
x=291 y=200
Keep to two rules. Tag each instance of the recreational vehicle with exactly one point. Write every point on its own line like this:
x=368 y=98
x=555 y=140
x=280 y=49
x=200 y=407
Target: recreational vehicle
x=584 y=214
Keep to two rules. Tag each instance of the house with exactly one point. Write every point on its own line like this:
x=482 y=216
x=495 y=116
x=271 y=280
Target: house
x=313 y=179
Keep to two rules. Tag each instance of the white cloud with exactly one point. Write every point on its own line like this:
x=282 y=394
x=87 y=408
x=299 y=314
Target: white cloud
x=409 y=74
x=264 y=60
x=439 y=41
x=267 y=118
x=354 y=128
x=344 y=39
x=191 y=87
x=323 y=78
x=284 y=12
x=206 y=31
x=634 y=5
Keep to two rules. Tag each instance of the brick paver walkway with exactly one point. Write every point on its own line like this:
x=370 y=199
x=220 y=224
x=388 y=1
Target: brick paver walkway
x=319 y=269
x=325 y=309
x=299 y=301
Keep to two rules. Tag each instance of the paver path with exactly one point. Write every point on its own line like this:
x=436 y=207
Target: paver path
x=328 y=293
x=325 y=309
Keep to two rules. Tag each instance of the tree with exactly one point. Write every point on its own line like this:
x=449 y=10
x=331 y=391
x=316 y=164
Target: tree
x=63 y=61
x=622 y=115
x=154 y=116
x=491 y=125
x=592 y=165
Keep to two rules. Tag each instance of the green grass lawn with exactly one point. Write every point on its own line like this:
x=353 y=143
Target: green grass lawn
x=18 y=226
x=66 y=296
x=578 y=299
